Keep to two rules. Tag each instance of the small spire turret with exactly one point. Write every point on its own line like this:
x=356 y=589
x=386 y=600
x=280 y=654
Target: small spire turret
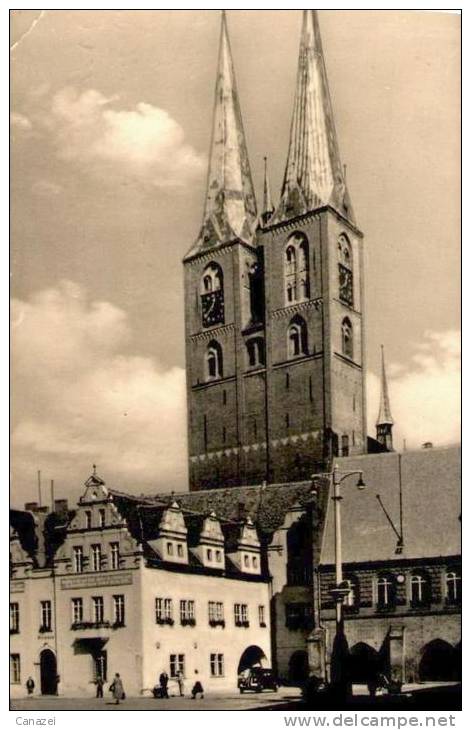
x=385 y=421
x=267 y=208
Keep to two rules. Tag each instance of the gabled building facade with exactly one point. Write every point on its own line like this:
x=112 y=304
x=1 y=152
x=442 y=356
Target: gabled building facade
x=134 y=586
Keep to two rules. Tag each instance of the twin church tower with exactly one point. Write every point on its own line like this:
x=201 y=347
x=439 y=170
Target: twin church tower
x=274 y=301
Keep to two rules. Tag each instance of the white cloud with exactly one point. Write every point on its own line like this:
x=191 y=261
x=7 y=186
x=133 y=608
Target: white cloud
x=425 y=394
x=78 y=398
x=143 y=143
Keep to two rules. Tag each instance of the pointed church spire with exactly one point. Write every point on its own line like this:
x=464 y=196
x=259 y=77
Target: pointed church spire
x=314 y=176
x=268 y=208
x=230 y=208
x=385 y=421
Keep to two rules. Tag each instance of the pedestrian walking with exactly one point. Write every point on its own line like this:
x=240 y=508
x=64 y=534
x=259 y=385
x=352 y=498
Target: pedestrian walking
x=197 y=688
x=99 y=686
x=117 y=688
x=163 y=679
x=181 y=683
x=30 y=686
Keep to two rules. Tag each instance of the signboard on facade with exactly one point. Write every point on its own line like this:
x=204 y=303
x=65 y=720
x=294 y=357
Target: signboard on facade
x=96 y=581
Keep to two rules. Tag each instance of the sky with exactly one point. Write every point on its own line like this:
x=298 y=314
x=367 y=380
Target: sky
x=110 y=129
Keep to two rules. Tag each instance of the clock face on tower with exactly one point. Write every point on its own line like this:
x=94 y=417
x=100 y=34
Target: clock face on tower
x=345 y=285
x=212 y=308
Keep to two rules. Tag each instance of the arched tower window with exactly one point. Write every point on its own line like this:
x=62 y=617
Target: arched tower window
x=345 y=258
x=297 y=337
x=214 y=361
x=347 y=338
x=296 y=268
x=256 y=352
x=212 y=295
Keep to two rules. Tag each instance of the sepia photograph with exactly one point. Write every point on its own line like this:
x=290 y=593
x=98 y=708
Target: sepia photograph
x=235 y=275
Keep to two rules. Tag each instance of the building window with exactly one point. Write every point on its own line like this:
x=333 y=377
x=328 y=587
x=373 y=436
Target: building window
x=254 y=562
x=385 y=590
x=218 y=556
x=216 y=613
x=187 y=613
x=14 y=618
x=297 y=337
x=246 y=561
x=299 y=616
x=419 y=590
x=77 y=610
x=347 y=338
x=46 y=616
x=224 y=398
x=118 y=610
x=216 y=663
x=177 y=664
x=100 y=666
x=223 y=434
x=209 y=554
x=15 y=669
x=261 y=616
x=96 y=557
x=102 y=518
x=169 y=548
x=98 y=609
x=214 y=361
x=212 y=296
x=351 y=600
x=453 y=588
x=78 y=558
x=345 y=445
x=114 y=548
x=88 y=519
x=180 y=553
x=241 y=614
x=256 y=352
x=163 y=611
x=287 y=420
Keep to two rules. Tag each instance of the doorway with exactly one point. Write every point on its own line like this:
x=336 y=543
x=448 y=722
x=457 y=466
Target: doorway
x=48 y=668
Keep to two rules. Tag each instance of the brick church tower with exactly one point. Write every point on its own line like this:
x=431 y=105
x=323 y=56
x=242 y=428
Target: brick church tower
x=273 y=304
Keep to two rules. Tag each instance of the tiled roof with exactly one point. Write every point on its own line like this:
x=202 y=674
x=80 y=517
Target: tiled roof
x=266 y=505
x=431 y=506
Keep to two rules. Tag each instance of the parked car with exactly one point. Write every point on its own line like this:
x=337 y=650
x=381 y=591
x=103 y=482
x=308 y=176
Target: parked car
x=256 y=679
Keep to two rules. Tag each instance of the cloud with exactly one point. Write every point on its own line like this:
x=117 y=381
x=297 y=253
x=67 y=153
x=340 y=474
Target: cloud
x=79 y=398
x=144 y=143
x=424 y=394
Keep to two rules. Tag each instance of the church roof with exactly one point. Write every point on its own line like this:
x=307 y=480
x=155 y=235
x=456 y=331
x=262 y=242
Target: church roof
x=230 y=208
x=384 y=415
x=430 y=482
x=314 y=176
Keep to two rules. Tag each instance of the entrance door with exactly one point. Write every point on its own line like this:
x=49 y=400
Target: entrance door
x=48 y=666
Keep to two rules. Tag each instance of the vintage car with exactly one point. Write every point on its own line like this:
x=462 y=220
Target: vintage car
x=256 y=679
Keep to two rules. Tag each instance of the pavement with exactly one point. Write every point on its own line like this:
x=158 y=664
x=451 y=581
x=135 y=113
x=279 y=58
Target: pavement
x=432 y=696
x=285 y=697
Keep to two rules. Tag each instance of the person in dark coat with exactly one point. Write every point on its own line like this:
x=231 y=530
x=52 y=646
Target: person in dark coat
x=163 y=679
x=117 y=688
x=197 y=688
x=30 y=685
x=99 y=686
